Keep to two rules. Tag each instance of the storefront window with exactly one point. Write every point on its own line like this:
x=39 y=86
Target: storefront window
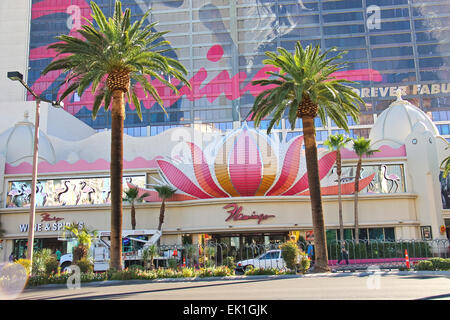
x=80 y=191
x=376 y=234
x=389 y=234
x=363 y=234
x=331 y=235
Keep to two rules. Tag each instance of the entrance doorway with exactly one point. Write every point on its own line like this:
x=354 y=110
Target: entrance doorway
x=239 y=244
x=21 y=245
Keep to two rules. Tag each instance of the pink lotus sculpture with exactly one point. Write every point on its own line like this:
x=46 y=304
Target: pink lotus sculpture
x=246 y=163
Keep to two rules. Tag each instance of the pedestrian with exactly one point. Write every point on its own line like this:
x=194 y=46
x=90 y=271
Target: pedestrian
x=344 y=253
x=58 y=255
x=11 y=257
x=310 y=252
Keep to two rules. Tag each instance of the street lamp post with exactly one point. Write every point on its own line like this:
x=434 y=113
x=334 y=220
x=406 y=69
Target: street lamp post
x=17 y=76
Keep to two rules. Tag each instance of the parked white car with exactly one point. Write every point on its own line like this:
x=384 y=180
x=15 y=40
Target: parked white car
x=267 y=260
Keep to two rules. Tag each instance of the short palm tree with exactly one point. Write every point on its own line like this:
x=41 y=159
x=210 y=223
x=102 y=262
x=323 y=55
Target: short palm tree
x=132 y=196
x=304 y=88
x=165 y=192
x=362 y=147
x=336 y=143
x=84 y=240
x=114 y=56
x=149 y=254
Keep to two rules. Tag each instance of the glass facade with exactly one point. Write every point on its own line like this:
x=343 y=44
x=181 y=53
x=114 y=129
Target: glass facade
x=390 y=44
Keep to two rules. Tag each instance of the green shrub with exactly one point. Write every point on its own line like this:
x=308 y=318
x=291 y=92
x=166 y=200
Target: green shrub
x=172 y=263
x=170 y=273
x=40 y=258
x=290 y=253
x=85 y=265
x=137 y=267
x=380 y=250
x=424 y=265
x=41 y=279
x=205 y=272
x=187 y=272
x=262 y=272
x=222 y=271
x=51 y=265
x=433 y=264
x=440 y=264
x=210 y=264
x=230 y=263
x=304 y=263
x=126 y=274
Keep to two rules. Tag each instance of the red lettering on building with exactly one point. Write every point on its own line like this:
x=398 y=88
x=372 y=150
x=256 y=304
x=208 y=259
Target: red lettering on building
x=47 y=217
x=236 y=214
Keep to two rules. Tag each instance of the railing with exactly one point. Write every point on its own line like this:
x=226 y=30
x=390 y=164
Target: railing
x=384 y=254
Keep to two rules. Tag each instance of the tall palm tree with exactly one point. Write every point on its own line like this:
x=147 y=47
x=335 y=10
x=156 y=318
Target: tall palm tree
x=114 y=56
x=362 y=147
x=336 y=143
x=304 y=88
x=165 y=192
x=132 y=196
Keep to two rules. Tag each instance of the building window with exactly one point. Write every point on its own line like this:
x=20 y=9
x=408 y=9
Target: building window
x=365 y=234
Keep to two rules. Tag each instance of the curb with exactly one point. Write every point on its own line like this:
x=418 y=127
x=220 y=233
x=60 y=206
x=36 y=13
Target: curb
x=247 y=278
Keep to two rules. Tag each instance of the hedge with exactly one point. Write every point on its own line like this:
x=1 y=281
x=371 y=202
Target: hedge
x=434 y=264
x=380 y=250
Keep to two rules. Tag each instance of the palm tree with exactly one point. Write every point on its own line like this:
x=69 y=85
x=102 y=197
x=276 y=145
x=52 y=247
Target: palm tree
x=132 y=196
x=336 y=143
x=165 y=192
x=149 y=254
x=84 y=240
x=114 y=56
x=304 y=88
x=362 y=147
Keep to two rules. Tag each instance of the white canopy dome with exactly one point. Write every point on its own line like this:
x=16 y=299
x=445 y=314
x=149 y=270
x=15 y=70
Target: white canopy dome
x=20 y=141
x=396 y=122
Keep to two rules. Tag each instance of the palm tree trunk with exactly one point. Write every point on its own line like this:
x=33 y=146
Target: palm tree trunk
x=339 y=173
x=133 y=216
x=357 y=175
x=312 y=166
x=161 y=214
x=117 y=118
x=161 y=218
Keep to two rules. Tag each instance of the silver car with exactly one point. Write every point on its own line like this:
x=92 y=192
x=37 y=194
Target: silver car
x=267 y=260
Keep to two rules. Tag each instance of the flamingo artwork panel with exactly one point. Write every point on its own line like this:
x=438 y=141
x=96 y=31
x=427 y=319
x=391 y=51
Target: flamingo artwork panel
x=66 y=192
x=387 y=178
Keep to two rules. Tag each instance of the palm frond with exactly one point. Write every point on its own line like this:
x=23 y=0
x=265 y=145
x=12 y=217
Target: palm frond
x=108 y=45
x=305 y=73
